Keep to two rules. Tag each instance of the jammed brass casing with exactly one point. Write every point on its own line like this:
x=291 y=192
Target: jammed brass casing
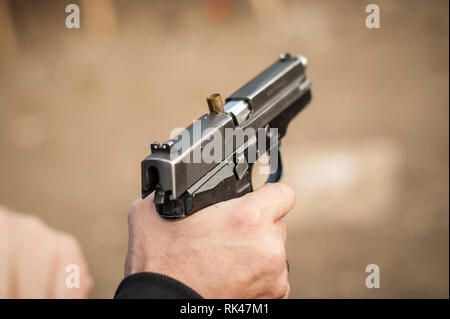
x=215 y=103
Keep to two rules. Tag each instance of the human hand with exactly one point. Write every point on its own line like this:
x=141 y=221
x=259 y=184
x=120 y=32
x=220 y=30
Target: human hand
x=233 y=249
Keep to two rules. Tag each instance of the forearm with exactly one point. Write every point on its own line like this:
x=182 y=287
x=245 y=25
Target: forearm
x=146 y=285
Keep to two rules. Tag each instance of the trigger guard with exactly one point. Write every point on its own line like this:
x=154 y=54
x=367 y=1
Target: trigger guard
x=275 y=177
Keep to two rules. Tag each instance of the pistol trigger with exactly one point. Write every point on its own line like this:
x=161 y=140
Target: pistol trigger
x=276 y=176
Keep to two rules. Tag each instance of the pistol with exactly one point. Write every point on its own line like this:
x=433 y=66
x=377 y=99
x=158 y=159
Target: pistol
x=211 y=160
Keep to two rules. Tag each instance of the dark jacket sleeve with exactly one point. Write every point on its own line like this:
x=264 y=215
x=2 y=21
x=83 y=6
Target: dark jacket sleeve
x=146 y=285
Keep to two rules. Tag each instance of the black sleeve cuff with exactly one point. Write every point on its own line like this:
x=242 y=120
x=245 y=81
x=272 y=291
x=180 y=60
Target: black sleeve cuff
x=146 y=285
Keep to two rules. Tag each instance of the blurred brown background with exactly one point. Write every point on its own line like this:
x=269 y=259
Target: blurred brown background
x=368 y=158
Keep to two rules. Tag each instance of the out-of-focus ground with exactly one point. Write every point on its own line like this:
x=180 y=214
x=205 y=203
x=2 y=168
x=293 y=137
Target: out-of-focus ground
x=368 y=158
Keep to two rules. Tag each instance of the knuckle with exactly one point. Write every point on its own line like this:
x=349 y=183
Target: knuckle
x=287 y=194
x=280 y=288
x=69 y=246
x=136 y=203
x=252 y=202
x=250 y=215
x=277 y=257
x=273 y=259
x=134 y=207
x=31 y=221
x=255 y=216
